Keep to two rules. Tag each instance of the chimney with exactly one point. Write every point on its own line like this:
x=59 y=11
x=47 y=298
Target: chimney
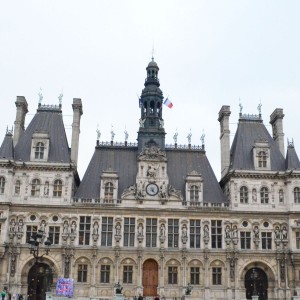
x=22 y=109
x=77 y=112
x=224 y=114
x=277 y=128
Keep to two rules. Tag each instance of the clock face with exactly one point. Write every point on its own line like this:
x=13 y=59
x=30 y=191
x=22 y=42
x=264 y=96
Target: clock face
x=152 y=189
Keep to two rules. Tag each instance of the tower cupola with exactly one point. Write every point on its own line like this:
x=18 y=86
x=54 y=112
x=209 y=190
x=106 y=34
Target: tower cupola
x=151 y=130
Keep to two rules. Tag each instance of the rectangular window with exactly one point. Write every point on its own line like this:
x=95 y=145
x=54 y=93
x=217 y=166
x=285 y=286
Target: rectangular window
x=173 y=233
x=84 y=230
x=151 y=232
x=217 y=276
x=245 y=237
x=82 y=273
x=172 y=275
x=30 y=231
x=127 y=274
x=298 y=239
x=216 y=234
x=54 y=232
x=129 y=232
x=266 y=240
x=195 y=275
x=105 y=273
x=195 y=233
x=106 y=231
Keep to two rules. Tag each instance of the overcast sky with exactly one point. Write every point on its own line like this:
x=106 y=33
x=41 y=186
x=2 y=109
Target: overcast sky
x=210 y=53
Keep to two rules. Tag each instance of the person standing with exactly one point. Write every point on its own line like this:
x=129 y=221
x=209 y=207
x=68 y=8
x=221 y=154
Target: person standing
x=3 y=294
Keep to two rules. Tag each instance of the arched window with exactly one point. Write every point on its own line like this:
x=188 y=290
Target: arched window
x=194 y=193
x=262 y=159
x=39 y=150
x=17 y=187
x=108 y=192
x=297 y=195
x=57 y=188
x=264 y=195
x=244 y=194
x=35 y=187
x=2 y=185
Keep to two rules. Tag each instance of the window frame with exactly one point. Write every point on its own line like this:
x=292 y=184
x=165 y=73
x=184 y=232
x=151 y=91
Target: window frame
x=262 y=159
x=82 y=273
x=127 y=274
x=244 y=195
x=106 y=231
x=216 y=275
x=105 y=273
x=35 y=187
x=84 y=230
x=297 y=195
x=172 y=275
x=39 y=151
x=151 y=232
x=57 y=188
x=264 y=195
x=2 y=185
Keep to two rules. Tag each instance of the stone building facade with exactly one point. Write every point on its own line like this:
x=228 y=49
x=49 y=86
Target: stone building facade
x=150 y=216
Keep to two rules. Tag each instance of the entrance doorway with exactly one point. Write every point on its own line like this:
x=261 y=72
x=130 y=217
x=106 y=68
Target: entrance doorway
x=40 y=278
x=150 y=278
x=256 y=280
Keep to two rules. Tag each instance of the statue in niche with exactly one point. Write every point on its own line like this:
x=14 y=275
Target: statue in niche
x=161 y=123
x=184 y=231
x=141 y=190
x=284 y=233
x=234 y=231
x=140 y=229
x=73 y=227
x=95 y=228
x=43 y=225
x=254 y=195
x=151 y=171
x=206 y=231
x=163 y=190
x=162 y=230
x=118 y=228
x=20 y=225
x=227 y=232
x=12 y=227
x=142 y=121
x=277 y=233
x=66 y=227
x=256 y=232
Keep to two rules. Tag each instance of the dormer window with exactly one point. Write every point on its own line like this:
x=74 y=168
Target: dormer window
x=108 y=192
x=297 y=195
x=264 y=195
x=261 y=155
x=109 y=186
x=39 y=146
x=35 y=187
x=194 y=188
x=57 y=188
x=39 y=151
x=262 y=159
x=194 y=193
x=2 y=185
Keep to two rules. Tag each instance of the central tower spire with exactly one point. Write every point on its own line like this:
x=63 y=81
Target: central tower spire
x=151 y=131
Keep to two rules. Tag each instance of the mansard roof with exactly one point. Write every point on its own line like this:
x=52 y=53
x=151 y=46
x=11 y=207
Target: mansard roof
x=292 y=160
x=248 y=132
x=123 y=160
x=48 y=119
x=7 y=148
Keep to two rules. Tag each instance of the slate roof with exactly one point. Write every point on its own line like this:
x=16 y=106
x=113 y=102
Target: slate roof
x=292 y=160
x=123 y=160
x=241 y=155
x=48 y=119
x=7 y=148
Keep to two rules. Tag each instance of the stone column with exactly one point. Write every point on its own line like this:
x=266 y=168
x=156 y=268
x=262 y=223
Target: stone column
x=22 y=109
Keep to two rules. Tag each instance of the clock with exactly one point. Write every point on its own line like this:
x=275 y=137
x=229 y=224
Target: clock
x=152 y=189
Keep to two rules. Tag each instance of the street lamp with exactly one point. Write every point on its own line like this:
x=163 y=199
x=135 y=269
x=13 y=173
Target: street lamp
x=34 y=245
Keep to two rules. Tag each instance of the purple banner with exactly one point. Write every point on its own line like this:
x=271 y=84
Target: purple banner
x=65 y=287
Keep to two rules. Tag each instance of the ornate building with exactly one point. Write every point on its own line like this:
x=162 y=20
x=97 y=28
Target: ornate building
x=150 y=216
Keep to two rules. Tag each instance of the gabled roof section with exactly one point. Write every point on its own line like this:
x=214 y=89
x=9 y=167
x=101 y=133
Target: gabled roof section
x=248 y=132
x=123 y=160
x=7 y=148
x=48 y=119
x=292 y=161
x=182 y=162
x=119 y=159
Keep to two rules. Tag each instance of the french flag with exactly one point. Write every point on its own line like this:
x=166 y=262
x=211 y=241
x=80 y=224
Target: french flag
x=168 y=103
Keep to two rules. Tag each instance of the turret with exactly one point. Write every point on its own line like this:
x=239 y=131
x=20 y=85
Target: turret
x=277 y=128
x=22 y=109
x=224 y=114
x=77 y=112
x=151 y=122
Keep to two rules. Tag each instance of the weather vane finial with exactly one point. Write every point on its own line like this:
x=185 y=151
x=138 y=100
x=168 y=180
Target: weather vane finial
x=152 y=52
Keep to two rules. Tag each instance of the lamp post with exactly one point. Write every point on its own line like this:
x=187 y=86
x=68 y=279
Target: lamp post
x=34 y=245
